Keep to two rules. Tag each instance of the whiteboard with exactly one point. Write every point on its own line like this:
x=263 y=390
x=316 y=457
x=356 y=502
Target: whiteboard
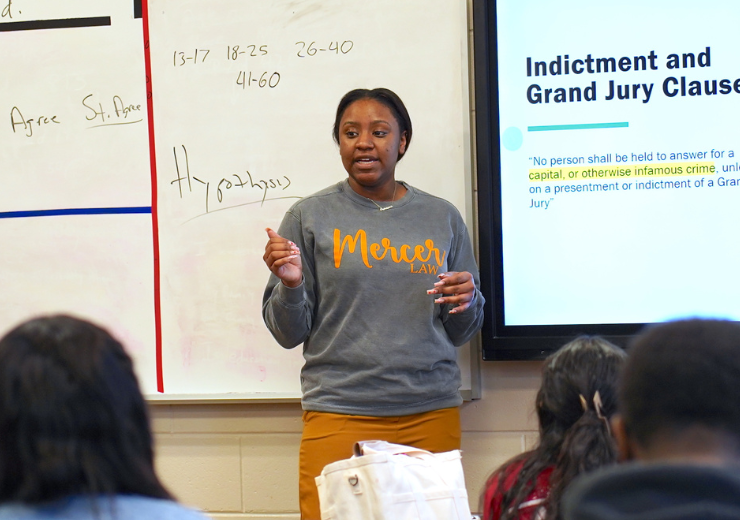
x=75 y=203
x=148 y=215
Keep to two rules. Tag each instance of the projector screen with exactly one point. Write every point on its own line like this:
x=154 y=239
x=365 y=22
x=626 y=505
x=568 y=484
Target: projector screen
x=608 y=167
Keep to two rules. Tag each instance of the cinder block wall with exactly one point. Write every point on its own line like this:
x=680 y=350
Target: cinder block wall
x=240 y=461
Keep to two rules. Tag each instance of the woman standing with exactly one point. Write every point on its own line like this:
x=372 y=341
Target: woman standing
x=378 y=281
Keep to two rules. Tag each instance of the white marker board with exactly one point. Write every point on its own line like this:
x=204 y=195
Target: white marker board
x=243 y=101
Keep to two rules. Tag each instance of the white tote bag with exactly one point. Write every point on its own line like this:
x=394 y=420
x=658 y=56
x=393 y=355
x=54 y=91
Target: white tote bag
x=385 y=481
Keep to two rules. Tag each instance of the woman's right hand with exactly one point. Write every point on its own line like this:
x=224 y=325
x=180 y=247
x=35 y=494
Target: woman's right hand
x=283 y=258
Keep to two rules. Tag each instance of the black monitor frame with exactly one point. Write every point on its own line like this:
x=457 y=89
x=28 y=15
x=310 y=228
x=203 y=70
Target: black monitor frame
x=499 y=341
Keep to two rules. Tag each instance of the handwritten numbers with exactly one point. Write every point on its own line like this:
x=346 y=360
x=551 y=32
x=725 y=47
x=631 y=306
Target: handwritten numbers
x=180 y=58
x=263 y=49
x=312 y=50
x=233 y=53
x=248 y=79
x=241 y=52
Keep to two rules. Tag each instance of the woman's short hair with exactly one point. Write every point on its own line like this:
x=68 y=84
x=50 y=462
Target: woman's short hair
x=384 y=96
x=72 y=418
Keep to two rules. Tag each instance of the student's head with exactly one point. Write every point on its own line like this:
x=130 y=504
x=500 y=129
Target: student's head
x=576 y=398
x=680 y=393
x=72 y=418
x=385 y=97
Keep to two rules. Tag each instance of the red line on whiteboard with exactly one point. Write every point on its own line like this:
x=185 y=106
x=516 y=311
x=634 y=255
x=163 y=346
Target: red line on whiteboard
x=155 y=213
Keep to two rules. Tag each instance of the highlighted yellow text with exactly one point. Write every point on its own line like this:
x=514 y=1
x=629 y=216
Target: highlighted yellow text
x=617 y=171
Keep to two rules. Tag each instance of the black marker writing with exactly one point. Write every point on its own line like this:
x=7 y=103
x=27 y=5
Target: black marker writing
x=17 y=119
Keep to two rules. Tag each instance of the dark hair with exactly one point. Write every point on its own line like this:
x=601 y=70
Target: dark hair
x=680 y=374
x=72 y=418
x=574 y=403
x=384 y=96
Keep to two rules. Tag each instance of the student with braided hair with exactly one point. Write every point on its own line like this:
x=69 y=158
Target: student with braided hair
x=576 y=399
x=678 y=430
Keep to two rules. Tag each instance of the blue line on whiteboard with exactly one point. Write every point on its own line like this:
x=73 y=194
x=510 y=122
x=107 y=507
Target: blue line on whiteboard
x=587 y=126
x=75 y=211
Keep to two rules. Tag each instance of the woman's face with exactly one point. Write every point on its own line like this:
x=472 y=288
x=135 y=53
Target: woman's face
x=370 y=141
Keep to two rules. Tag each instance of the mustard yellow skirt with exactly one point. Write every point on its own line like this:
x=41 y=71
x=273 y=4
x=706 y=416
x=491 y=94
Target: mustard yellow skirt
x=329 y=437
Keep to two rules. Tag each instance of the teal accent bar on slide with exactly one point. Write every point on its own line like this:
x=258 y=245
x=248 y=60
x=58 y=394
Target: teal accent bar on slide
x=577 y=127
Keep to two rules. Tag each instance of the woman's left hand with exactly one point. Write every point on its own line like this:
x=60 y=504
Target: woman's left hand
x=456 y=288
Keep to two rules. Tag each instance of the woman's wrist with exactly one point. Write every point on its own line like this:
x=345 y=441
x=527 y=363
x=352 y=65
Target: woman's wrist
x=292 y=285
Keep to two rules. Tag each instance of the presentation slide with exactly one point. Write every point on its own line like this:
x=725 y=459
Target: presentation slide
x=620 y=160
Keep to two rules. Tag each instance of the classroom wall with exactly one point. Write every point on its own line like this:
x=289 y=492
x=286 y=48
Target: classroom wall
x=240 y=461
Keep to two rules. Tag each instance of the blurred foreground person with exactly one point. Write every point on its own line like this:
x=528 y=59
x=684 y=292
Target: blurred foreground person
x=75 y=441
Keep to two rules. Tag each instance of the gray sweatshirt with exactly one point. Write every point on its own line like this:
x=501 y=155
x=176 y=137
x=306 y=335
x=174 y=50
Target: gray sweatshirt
x=374 y=342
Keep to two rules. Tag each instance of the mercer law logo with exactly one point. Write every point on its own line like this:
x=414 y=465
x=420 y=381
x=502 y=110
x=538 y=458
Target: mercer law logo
x=428 y=257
